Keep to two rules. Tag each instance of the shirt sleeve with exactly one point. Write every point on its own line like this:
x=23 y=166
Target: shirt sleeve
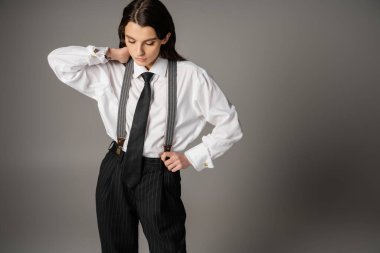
x=210 y=102
x=82 y=68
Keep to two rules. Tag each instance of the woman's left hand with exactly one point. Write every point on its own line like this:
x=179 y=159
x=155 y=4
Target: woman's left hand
x=176 y=161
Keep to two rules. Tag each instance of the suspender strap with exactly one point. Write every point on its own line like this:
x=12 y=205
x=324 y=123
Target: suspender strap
x=121 y=118
x=172 y=105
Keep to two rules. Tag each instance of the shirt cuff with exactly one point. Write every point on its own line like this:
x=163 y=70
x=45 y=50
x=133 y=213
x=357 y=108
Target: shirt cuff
x=97 y=55
x=199 y=157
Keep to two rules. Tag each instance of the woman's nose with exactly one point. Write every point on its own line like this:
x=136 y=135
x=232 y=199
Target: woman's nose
x=140 y=50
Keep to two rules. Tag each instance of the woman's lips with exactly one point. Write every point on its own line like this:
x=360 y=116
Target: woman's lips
x=141 y=59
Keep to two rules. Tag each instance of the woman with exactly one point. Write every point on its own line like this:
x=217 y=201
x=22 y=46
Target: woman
x=143 y=184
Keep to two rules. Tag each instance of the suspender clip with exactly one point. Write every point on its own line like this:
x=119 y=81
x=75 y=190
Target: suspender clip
x=120 y=143
x=167 y=148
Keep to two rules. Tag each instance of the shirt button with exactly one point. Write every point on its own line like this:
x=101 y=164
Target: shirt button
x=205 y=165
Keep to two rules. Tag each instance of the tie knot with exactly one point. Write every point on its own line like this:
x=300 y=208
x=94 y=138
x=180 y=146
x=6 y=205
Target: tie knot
x=147 y=76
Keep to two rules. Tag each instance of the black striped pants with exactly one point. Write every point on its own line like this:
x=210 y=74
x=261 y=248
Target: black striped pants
x=155 y=202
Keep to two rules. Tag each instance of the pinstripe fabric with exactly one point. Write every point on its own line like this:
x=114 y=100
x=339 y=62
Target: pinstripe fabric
x=116 y=215
x=155 y=202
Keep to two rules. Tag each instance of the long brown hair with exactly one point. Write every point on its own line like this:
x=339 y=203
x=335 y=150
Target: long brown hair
x=151 y=13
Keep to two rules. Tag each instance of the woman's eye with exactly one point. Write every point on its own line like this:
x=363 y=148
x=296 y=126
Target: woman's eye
x=151 y=43
x=130 y=41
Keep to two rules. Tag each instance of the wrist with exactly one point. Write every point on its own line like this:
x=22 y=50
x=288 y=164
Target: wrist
x=117 y=54
x=108 y=54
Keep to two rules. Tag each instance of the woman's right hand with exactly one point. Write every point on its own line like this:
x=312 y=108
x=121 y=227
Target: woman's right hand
x=118 y=54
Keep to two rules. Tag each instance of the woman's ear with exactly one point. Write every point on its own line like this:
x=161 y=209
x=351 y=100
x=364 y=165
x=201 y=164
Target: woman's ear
x=166 y=39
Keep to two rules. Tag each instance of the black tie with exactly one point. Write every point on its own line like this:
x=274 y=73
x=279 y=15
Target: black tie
x=137 y=135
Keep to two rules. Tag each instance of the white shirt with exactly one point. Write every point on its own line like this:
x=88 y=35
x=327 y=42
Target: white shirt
x=199 y=100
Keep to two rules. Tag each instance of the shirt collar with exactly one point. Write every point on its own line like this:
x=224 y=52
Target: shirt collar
x=159 y=68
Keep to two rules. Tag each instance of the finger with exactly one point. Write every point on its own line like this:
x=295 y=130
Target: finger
x=168 y=155
x=172 y=165
x=176 y=168
x=165 y=155
x=170 y=160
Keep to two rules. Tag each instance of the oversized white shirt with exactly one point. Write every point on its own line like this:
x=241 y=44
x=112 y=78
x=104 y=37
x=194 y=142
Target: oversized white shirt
x=199 y=100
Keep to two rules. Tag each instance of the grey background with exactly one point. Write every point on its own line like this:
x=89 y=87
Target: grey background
x=304 y=76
